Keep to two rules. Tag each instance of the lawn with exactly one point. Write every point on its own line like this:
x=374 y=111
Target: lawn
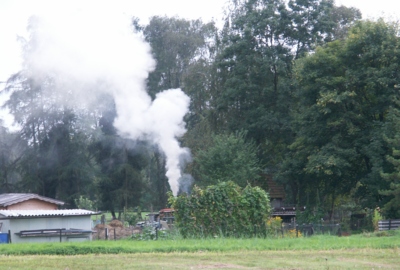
x=364 y=251
x=309 y=259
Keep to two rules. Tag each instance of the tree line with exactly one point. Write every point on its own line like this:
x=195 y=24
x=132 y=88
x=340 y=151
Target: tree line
x=302 y=90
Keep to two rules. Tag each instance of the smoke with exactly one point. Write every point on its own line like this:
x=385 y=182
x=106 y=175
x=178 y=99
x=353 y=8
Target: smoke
x=89 y=54
x=185 y=183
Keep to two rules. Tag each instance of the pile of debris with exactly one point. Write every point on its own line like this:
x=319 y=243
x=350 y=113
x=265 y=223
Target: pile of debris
x=114 y=230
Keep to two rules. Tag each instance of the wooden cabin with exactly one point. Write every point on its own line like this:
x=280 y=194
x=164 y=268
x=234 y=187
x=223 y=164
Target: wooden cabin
x=27 y=201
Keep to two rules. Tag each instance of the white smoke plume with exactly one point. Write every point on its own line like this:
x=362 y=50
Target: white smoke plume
x=81 y=49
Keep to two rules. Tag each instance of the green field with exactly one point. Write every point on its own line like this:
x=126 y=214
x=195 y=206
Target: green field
x=332 y=259
x=364 y=251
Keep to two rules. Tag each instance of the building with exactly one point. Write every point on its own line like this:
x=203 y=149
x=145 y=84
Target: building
x=27 y=201
x=277 y=196
x=47 y=225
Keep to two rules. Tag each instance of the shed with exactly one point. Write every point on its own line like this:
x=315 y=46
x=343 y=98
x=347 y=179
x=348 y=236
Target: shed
x=27 y=201
x=276 y=192
x=47 y=225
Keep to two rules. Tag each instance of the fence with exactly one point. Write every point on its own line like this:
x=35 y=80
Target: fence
x=114 y=233
x=391 y=224
x=311 y=229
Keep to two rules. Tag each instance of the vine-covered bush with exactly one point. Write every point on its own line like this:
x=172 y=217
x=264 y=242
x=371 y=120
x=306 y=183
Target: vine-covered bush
x=223 y=209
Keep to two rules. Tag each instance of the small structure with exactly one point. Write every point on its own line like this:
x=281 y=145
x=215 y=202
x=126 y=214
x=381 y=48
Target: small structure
x=167 y=214
x=277 y=196
x=276 y=192
x=153 y=217
x=47 y=225
x=27 y=201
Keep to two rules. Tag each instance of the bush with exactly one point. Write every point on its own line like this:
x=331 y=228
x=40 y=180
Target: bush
x=224 y=209
x=149 y=233
x=84 y=203
x=274 y=226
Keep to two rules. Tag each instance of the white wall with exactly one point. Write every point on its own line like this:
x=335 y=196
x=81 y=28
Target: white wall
x=71 y=222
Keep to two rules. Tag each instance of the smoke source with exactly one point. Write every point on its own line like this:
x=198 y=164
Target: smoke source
x=185 y=183
x=81 y=49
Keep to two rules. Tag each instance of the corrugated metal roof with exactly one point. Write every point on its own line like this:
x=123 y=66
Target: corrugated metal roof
x=44 y=213
x=7 y=199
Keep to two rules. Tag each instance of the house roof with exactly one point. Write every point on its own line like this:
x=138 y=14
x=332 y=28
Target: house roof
x=6 y=214
x=275 y=190
x=7 y=199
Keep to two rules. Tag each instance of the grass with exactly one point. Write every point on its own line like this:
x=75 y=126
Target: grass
x=364 y=251
x=305 y=259
x=315 y=243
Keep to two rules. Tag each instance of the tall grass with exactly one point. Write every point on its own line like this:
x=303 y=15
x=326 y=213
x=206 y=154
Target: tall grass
x=319 y=242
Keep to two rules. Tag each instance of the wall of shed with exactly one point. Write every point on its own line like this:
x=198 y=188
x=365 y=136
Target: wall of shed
x=71 y=222
x=33 y=204
x=5 y=226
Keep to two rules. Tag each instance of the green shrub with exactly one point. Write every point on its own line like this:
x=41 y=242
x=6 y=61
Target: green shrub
x=85 y=203
x=274 y=227
x=224 y=209
x=149 y=233
x=375 y=219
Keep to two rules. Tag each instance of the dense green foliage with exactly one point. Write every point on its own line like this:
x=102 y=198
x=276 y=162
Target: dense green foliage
x=230 y=158
x=302 y=90
x=222 y=209
x=346 y=90
x=392 y=190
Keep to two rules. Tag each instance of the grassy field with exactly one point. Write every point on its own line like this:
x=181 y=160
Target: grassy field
x=364 y=251
x=332 y=259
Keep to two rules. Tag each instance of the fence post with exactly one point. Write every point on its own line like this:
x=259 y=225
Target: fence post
x=156 y=233
x=390 y=224
x=9 y=236
x=60 y=235
x=115 y=235
x=297 y=230
x=106 y=233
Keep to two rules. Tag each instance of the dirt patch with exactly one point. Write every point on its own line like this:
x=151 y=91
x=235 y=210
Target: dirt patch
x=115 y=231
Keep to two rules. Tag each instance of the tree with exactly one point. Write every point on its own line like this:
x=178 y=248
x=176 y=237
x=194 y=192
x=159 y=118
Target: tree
x=175 y=44
x=55 y=133
x=156 y=193
x=11 y=149
x=344 y=18
x=55 y=162
x=345 y=91
x=230 y=158
x=183 y=50
x=120 y=184
x=392 y=206
x=261 y=41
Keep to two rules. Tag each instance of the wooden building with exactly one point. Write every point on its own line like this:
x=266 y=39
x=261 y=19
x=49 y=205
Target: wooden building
x=27 y=201
x=277 y=196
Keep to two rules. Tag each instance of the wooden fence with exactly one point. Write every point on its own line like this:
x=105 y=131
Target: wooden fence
x=391 y=224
